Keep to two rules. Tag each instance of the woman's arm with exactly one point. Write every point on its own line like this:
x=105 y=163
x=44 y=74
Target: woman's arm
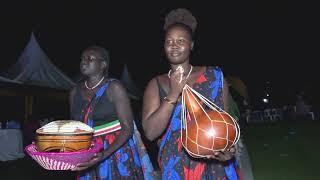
x=155 y=115
x=118 y=95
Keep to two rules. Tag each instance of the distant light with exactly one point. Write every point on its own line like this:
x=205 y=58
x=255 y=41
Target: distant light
x=211 y=133
x=265 y=100
x=268 y=95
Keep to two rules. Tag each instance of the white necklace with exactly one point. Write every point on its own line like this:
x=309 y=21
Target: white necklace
x=181 y=74
x=91 y=88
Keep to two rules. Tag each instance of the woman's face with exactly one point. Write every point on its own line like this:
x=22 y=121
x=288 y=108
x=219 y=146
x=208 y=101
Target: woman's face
x=91 y=63
x=178 y=45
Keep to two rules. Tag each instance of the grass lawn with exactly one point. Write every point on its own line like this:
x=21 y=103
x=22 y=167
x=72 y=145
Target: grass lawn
x=281 y=151
x=286 y=150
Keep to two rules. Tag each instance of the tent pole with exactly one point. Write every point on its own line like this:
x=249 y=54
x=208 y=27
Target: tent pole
x=25 y=108
x=28 y=107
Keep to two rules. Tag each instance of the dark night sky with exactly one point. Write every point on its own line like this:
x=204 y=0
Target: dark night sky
x=272 y=40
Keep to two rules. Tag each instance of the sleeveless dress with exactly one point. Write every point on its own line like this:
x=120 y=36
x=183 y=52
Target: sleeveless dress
x=174 y=161
x=131 y=161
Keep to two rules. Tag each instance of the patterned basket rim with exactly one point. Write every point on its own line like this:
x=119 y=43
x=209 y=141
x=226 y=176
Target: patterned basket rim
x=96 y=147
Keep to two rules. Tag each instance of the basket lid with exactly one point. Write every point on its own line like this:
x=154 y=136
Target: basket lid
x=65 y=127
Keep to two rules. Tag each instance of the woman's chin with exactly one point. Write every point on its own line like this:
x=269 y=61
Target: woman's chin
x=84 y=72
x=176 y=61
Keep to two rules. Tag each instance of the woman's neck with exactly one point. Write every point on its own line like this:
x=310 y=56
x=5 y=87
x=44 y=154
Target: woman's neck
x=185 y=66
x=92 y=80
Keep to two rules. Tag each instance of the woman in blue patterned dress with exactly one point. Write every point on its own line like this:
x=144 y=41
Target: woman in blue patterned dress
x=103 y=104
x=162 y=105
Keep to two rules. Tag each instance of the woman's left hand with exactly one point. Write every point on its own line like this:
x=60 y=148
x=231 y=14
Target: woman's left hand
x=224 y=155
x=95 y=159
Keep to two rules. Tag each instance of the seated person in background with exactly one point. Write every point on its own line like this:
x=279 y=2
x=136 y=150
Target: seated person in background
x=302 y=108
x=13 y=124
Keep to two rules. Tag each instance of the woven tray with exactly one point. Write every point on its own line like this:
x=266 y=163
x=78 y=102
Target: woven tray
x=61 y=161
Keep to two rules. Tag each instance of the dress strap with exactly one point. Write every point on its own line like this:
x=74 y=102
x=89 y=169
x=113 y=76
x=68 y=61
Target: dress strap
x=162 y=92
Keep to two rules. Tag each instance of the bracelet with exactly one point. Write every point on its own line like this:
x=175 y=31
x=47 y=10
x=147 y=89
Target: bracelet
x=170 y=101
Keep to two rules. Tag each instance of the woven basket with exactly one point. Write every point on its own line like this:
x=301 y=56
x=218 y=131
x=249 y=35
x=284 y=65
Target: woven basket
x=61 y=160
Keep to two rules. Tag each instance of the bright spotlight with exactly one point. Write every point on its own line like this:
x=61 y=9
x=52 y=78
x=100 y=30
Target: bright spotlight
x=265 y=100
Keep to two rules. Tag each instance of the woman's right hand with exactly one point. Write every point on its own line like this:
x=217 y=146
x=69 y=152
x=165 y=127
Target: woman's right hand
x=177 y=83
x=95 y=159
x=223 y=155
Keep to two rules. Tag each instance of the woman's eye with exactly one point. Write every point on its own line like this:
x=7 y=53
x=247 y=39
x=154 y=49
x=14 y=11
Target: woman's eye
x=169 y=41
x=92 y=59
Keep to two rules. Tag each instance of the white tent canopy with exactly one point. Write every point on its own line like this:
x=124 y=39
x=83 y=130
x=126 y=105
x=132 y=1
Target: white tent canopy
x=35 y=68
x=6 y=80
x=133 y=91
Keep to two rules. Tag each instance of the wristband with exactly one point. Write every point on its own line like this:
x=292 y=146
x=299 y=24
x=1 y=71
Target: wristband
x=170 y=101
